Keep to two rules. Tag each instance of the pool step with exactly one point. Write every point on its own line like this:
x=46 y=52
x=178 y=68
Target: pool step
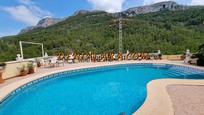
x=191 y=71
x=176 y=73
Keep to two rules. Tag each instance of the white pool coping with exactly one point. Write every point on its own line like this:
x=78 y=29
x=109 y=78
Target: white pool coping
x=157 y=102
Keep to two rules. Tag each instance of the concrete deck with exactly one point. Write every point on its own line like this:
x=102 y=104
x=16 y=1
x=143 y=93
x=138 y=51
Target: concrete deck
x=187 y=99
x=158 y=101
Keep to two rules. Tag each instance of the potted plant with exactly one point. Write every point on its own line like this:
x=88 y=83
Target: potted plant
x=31 y=68
x=2 y=68
x=38 y=62
x=23 y=71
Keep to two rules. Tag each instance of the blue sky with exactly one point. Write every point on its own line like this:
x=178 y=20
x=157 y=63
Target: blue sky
x=18 y=14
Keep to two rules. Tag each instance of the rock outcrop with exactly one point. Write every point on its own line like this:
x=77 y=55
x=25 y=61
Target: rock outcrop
x=46 y=22
x=168 y=5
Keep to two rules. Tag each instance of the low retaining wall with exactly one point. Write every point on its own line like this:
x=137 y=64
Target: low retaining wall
x=172 y=57
x=12 y=68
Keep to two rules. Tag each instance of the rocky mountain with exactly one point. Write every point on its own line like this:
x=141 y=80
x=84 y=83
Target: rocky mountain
x=167 y=26
x=168 y=5
x=46 y=22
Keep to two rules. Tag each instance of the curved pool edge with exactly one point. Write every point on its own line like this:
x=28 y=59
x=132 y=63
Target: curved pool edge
x=151 y=105
x=5 y=91
x=158 y=101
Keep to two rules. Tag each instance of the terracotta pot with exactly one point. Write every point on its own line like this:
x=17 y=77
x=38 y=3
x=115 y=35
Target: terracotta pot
x=23 y=73
x=1 y=79
x=38 y=65
x=31 y=71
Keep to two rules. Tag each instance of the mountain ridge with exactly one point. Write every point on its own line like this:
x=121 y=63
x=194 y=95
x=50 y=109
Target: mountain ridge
x=43 y=23
x=167 y=5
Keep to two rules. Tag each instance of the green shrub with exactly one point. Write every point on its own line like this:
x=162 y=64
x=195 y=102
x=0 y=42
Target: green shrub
x=200 y=56
x=171 y=31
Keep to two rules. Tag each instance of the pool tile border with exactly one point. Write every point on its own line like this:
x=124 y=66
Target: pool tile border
x=88 y=70
x=69 y=73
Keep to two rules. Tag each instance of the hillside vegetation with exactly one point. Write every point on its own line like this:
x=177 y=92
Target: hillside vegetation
x=170 y=31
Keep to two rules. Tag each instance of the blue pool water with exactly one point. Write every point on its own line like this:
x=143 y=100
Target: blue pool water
x=105 y=91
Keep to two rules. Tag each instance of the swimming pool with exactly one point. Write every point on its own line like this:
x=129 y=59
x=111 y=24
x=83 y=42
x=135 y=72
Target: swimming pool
x=97 y=91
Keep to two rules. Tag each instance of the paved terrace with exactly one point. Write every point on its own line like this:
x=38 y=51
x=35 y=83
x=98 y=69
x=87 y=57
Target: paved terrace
x=165 y=97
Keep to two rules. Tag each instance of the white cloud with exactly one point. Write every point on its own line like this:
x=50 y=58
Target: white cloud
x=27 y=12
x=107 y=5
x=147 y=2
x=197 y=2
x=23 y=14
